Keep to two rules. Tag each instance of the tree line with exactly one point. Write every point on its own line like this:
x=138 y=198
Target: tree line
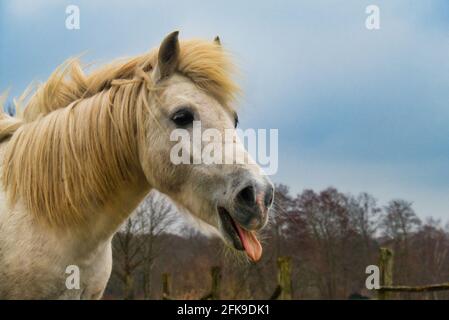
x=330 y=236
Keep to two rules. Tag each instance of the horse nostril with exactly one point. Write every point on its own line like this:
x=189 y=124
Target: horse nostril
x=269 y=197
x=247 y=196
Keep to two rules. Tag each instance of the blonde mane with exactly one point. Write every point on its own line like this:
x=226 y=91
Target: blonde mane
x=77 y=138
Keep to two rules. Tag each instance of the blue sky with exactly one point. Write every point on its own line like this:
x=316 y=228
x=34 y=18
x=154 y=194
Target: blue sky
x=357 y=109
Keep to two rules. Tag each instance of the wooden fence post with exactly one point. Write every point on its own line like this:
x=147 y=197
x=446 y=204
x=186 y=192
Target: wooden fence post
x=386 y=272
x=285 y=277
x=165 y=286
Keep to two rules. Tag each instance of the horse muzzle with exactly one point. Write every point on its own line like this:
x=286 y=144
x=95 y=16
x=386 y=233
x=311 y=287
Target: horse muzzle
x=247 y=214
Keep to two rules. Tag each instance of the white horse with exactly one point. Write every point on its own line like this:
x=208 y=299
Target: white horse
x=88 y=148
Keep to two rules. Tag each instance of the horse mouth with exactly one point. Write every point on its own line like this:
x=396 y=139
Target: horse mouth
x=242 y=239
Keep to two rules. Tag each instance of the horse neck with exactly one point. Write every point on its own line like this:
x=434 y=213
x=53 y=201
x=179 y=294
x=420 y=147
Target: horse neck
x=125 y=138
x=88 y=242
x=105 y=222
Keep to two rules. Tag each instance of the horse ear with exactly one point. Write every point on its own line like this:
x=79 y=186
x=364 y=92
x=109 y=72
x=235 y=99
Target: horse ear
x=168 y=57
x=217 y=40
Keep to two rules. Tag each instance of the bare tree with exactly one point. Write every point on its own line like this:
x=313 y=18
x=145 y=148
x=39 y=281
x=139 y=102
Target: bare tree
x=430 y=254
x=399 y=220
x=140 y=241
x=127 y=256
x=327 y=221
x=279 y=221
x=155 y=214
x=398 y=224
x=364 y=214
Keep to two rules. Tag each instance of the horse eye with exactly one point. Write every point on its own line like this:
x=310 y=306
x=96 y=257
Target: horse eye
x=182 y=117
x=236 y=121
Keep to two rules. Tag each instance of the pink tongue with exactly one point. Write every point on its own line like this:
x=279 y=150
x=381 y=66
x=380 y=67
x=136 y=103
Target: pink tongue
x=250 y=243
